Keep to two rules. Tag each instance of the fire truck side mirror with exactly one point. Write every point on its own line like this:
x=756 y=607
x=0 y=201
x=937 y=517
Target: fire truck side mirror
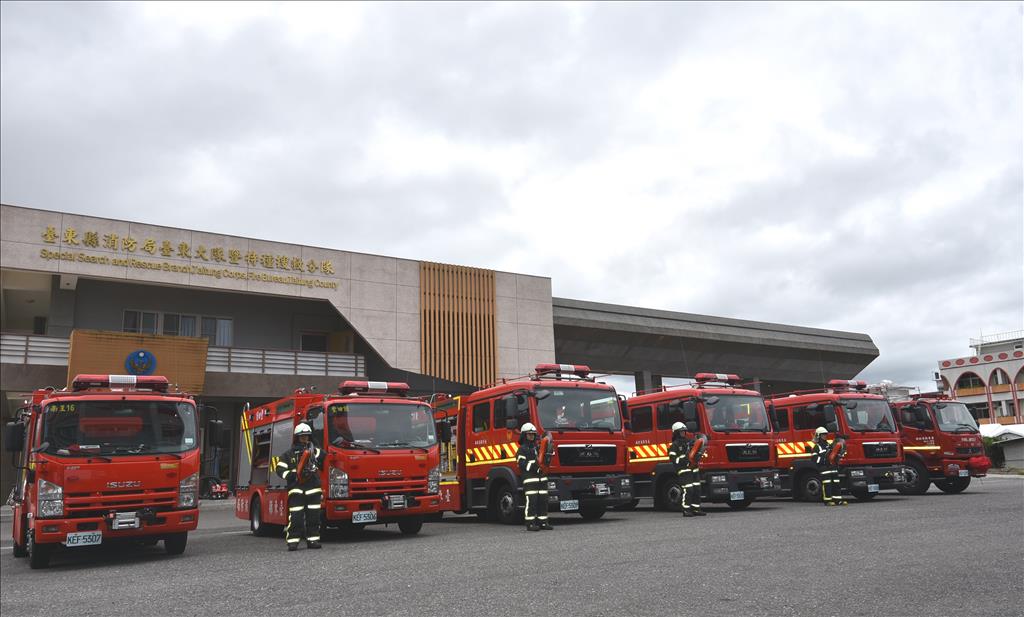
x=216 y=434
x=14 y=437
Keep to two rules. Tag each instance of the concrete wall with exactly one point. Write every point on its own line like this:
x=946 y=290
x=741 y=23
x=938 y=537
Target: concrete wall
x=525 y=330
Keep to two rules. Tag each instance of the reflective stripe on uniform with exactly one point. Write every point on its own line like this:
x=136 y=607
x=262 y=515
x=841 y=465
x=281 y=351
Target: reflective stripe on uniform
x=313 y=539
x=313 y=506
x=295 y=490
x=313 y=491
x=296 y=509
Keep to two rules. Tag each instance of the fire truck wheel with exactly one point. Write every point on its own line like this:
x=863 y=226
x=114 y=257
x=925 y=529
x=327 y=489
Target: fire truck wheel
x=38 y=554
x=256 y=524
x=21 y=550
x=592 y=513
x=917 y=479
x=628 y=506
x=740 y=505
x=410 y=526
x=807 y=487
x=174 y=544
x=503 y=505
x=954 y=485
x=434 y=518
x=669 y=494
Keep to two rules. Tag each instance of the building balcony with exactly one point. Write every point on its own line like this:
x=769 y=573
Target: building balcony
x=34 y=349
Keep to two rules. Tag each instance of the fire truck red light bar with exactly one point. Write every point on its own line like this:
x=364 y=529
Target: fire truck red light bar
x=580 y=370
x=156 y=383
x=717 y=377
x=373 y=387
x=847 y=384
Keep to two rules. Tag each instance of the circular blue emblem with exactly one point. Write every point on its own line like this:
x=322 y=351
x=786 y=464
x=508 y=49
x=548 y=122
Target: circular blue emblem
x=140 y=362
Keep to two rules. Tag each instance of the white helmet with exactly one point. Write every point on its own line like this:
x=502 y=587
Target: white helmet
x=302 y=429
x=528 y=428
x=820 y=431
x=677 y=426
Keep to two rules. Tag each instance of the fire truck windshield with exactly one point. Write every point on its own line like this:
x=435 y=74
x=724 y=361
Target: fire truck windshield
x=954 y=418
x=737 y=413
x=864 y=415
x=380 y=425
x=122 y=427
x=579 y=409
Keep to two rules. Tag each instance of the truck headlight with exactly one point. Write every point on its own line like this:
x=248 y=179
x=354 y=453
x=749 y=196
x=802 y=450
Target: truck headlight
x=434 y=480
x=717 y=479
x=337 y=483
x=51 y=499
x=856 y=473
x=187 y=490
x=552 y=486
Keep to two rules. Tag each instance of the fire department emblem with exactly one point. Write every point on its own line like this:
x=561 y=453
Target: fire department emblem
x=140 y=362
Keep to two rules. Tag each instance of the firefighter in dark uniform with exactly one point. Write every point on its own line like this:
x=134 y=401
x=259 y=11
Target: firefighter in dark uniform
x=304 y=492
x=535 y=484
x=685 y=460
x=831 y=494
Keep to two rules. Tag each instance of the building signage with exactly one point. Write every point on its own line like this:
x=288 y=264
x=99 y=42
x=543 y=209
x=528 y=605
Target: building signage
x=214 y=261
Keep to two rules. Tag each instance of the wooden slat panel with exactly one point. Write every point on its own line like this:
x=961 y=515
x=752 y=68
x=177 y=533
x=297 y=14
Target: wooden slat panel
x=457 y=317
x=181 y=359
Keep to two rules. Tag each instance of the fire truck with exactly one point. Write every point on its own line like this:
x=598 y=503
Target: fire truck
x=115 y=457
x=582 y=420
x=739 y=462
x=381 y=461
x=942 y=444
x=874 y=455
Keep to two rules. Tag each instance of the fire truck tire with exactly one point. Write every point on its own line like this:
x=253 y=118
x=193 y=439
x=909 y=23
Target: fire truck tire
x=21 y=550
x=740 y=505
x=628 y=506
x=434 y=518
x=174 y=544
x=918 y=480
x=954 y=485
x=503 y=505
x=592 y=513
x=807 y=487
x=38 y=554
x=410 y=526
x=256 y=524
x=668 y=495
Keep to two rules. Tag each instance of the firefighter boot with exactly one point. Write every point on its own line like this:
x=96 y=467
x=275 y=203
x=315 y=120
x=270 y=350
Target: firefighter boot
x=699 y=512
x=532 y=527
x=546 y=526
x=293 y=547
x=314 y=544
x=688 y=514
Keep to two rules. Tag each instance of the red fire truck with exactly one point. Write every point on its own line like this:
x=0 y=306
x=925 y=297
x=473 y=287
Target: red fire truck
x=942 y=444
x=582 y=420
x=381 y=457
x=114 y=457
x=739 y=463
x=874 y=456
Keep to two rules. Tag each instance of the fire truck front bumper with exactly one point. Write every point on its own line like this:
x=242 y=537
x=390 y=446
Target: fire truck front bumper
x=976 y=467
x=723 y=486
x=380 y=510
x=875 y=478
x=81 y=531
x=610 y=490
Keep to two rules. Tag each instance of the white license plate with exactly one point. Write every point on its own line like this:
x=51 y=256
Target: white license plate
x=964 y=473
x=364 y=516
x=569 y=505
x=872 y=488
x=736 y=496
x=602 y=489
x=83 y=538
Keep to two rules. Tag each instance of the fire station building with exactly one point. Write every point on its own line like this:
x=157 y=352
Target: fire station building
x=235 y=320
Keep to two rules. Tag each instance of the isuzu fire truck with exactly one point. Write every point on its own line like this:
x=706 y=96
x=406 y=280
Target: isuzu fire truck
x=381 y=457
x=581 y=420
x=874 y=455
x=941 y=443
x=739 y=463
x=115 y=457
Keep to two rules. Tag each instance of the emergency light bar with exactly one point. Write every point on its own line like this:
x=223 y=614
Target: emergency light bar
x=156 y=383
x=703 y=378
x=580 y=370
x=845 y=385
x=374 y=387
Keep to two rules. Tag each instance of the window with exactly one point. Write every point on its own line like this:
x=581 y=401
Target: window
x=179 y=325
x=670 y=413
x=780 y=419
x=217 y=330
x=824 y=414
x=915 y=416
x=143 y=322
x=499 y=414
x=481 y=417
x=313 y=342
x=640 y=419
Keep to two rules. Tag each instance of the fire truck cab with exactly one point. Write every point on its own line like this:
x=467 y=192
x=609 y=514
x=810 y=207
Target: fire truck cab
x=942 y=445
x=115 y=457
x=874 y=455
x=381 y=457
x=583 y=421
x=739 y=462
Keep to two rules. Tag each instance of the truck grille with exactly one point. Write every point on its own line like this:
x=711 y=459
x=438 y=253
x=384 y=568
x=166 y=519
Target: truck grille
x=747 y=452
x=373 y=489
x=92 y=504
x=968 y=450
x=586 y=455
x=883 y=449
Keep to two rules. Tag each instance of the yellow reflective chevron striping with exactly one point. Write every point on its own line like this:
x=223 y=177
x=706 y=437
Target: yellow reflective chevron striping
x=247 y=435
x=645 y=453
x=922 y=448
x=488 y=454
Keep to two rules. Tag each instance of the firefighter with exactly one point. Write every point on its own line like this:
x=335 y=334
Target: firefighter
x=535 y=483
x=831 y=494
x=684 y=453
x=304 y=492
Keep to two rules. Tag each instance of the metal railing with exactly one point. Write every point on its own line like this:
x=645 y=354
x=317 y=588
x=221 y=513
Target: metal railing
x=283 y=362
x=998 y=338
x=34 y=349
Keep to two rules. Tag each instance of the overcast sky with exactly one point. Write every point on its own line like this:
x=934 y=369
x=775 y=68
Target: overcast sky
x=846 y=166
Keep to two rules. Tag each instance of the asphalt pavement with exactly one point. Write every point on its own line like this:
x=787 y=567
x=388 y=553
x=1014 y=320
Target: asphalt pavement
x=931 y=555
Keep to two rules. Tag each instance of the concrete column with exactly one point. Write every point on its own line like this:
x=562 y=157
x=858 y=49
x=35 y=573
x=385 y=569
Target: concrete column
x=61 y=320
x=646 y=381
